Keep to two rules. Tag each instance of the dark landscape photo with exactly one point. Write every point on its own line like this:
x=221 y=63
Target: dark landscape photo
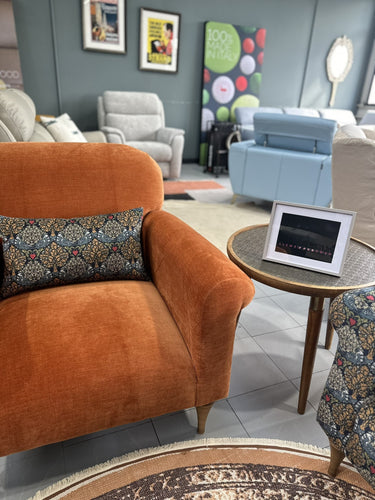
x=307 y=237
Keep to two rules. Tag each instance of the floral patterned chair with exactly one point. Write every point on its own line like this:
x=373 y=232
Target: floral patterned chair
x=347 y=408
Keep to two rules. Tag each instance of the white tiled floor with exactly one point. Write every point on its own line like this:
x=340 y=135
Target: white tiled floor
x=262 y=401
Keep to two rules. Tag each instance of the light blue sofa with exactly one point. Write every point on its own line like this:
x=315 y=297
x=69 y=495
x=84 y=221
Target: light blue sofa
x=245 y=116
x=288 y=160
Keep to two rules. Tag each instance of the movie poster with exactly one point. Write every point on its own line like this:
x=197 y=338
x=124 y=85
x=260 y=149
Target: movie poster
x=104 y=25
x=159 y=34
x=104 y=21
x=160 y=41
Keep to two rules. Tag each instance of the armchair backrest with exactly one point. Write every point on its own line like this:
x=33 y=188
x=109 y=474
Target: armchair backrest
x=139 y=115
x=299 y=133
x=76 y=179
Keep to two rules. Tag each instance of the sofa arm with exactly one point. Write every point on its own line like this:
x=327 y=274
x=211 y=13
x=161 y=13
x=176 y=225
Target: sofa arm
x=167 y=134
x=95 y=136
x=352 y=377
x=204 y=292
x=113 y=135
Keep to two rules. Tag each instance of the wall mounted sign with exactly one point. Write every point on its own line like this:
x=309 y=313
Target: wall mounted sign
x=10 y=66
x=233 y=58
x=310 y=237
x=159 y=40
x=103 y=25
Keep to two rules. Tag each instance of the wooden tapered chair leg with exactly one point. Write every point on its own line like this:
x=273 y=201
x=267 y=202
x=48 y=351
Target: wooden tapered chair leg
x=202 y=413
x=337 y=456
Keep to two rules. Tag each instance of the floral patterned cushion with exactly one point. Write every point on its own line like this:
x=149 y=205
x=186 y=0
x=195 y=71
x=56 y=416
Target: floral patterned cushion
x=347 y=408
x=40 y=253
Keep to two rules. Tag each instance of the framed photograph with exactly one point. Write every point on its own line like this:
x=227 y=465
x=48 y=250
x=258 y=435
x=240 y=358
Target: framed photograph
x=314 y=238
x=103 y=25
x=158 y=40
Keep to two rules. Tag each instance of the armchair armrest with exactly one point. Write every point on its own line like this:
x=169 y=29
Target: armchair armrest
x=204 y=292
x=167 y=134
x=113 y=135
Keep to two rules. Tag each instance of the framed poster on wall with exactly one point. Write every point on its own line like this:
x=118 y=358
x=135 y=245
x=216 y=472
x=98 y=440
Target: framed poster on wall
x=104 y=25
x=158 y=40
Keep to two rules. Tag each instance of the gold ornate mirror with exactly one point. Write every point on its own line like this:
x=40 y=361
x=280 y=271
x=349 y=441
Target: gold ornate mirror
x=339 y=61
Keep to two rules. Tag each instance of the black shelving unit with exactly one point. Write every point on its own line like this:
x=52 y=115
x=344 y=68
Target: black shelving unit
x=217 y=151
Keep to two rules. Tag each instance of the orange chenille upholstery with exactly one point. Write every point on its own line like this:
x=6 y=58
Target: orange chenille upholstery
x=86 y=356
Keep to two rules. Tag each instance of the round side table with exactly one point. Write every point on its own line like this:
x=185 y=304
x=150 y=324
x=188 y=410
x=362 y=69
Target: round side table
x=245 y=248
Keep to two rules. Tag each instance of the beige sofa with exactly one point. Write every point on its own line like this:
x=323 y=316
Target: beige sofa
x=17 y=122
x=353 y=177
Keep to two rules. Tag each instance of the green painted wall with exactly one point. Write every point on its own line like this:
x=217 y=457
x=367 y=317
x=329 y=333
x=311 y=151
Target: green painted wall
x=61 y=77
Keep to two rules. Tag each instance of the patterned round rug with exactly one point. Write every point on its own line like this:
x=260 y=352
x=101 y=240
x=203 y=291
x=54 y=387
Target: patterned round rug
x=216 y=469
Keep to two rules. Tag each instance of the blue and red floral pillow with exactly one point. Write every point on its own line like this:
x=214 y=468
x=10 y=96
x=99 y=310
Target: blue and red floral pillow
x=39 y=253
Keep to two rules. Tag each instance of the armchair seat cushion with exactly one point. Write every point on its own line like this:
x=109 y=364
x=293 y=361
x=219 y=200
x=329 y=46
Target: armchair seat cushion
x=70 y=370
x=157 y=150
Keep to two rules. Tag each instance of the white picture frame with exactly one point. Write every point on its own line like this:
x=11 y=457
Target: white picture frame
x=104 y=25
x=310 y=237
x=159 y=34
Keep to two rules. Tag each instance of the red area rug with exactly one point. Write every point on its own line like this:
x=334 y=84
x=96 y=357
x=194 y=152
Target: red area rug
x=178 y=187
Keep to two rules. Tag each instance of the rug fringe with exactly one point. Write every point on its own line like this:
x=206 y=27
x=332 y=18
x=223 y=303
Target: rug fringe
x=177 y=446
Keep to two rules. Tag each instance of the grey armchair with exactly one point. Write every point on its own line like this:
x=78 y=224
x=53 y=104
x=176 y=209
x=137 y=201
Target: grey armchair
x=137 y=119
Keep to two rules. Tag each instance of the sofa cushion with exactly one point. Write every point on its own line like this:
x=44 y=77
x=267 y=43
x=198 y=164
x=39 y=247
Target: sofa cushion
x=17 y=114
x=159 y=151
x=301 y=111
x=85 y=357
x=353 y=131
x=341 y=116
x=39 y=253
x=62 y=128
x=245 y=114
x=41 y=134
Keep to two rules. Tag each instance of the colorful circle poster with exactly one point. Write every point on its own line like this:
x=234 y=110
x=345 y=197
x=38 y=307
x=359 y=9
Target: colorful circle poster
x=233 y=58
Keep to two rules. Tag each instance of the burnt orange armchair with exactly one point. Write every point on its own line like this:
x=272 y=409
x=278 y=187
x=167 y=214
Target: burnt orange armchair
x=86 y=356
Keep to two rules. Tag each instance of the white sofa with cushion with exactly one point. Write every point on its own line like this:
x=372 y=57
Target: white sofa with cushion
x=17 y=122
